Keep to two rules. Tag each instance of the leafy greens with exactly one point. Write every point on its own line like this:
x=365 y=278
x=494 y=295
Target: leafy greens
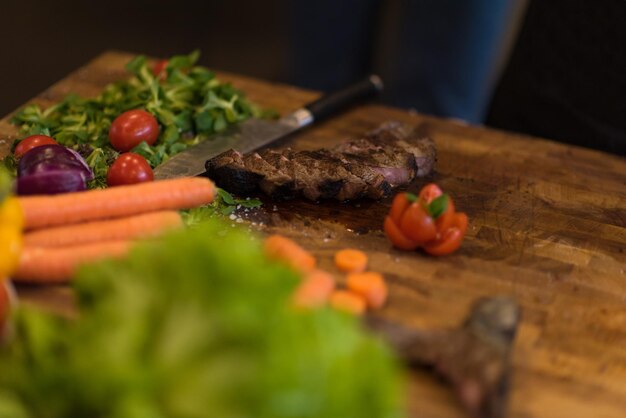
x=195 y=325
x=190 y=104
x=223 y=205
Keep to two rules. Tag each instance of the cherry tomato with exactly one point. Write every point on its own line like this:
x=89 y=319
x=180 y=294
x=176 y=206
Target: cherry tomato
x=398 y=206
x=31 y=142
x=417 y=225
x=460 y=222
x=451 y=239
x=131 y=128
x=397 y=238
x=129 y=168
x=444 y=221
x=159 y=69
x=429 y=193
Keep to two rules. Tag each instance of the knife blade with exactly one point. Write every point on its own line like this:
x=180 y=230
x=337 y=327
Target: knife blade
x=253 y=134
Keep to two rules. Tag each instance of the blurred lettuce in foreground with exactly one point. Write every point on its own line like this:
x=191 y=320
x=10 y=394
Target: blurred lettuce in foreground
x=195 y=325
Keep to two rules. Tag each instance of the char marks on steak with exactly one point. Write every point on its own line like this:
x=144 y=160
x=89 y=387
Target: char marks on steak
x=390 y=156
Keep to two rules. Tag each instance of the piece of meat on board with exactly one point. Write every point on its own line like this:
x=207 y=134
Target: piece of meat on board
x=390 y=156
x=474 y=358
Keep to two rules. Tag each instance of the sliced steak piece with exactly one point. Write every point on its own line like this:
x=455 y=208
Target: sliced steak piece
x=362 y=180
x=282 y=164
x=276 y=183
x=334 y=172
x=376 y=186
x=228 y=171
x=394 y=163
x=317 y=178
x=396 y=134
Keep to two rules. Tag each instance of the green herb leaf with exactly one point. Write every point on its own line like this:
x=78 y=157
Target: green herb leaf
x=135 y=64
x=438 y=206
x=411 y=197
x=6 y=184
x=226 y=197
x=9 y=164
x=183 y=61
x=250 y=203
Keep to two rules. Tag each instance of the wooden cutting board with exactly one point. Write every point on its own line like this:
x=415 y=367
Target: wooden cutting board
x=548 y=226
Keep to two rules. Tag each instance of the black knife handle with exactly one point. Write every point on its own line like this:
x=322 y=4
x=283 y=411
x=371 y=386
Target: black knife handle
x=333 y=102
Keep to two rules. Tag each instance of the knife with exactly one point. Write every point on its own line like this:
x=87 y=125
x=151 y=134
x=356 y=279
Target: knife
x=256 y=133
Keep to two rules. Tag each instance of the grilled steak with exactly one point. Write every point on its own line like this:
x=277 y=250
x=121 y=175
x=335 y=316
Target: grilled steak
x=390 y=156
x=405 y=137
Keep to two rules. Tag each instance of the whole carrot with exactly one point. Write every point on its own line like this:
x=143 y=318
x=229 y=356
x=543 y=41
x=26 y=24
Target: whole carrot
x=57 y=265
x=146 y=225
x=115 y=202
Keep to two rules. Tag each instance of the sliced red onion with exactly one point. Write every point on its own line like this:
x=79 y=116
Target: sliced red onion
x=51 y=169
x=83 y=163
x=51 y=182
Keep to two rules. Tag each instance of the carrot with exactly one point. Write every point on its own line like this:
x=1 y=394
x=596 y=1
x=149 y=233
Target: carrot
x=314 y=289
x=115 y=202
x=281 y=248
x=371 y=286
x=351 y=261
x=347 y=301
x=48 y=265
x=139 y=226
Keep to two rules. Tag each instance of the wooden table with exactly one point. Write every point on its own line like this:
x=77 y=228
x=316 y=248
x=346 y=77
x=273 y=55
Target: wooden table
x=548 y=226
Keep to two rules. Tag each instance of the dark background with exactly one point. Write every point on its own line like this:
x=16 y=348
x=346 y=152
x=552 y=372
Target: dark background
x=565 y=78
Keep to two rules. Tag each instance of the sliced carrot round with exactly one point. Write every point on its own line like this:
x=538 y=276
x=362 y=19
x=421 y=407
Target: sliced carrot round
x=371 y=286
x=284 y=249
x=350 y=260
x=314 y=290
x=344 y=300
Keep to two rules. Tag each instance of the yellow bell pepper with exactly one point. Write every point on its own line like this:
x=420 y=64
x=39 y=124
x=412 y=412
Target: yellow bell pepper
x=11 y=223
x=10 y=249
x=11 y=213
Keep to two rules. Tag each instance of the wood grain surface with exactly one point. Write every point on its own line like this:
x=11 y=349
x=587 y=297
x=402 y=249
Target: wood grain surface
x=548 y=226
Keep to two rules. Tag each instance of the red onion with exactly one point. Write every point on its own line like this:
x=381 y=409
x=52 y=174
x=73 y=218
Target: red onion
x=52 y=169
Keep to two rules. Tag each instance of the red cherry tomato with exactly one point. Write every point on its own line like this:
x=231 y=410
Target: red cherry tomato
x=411 y=222
x=444 y=220
x=430 y=192
x=451 y=239
x=129 y=168
x=417 y=225
x=449 y=242
x=397 y=238
x=159 y=69
x=31 y=142
x=132 y=128
x=398 y=206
